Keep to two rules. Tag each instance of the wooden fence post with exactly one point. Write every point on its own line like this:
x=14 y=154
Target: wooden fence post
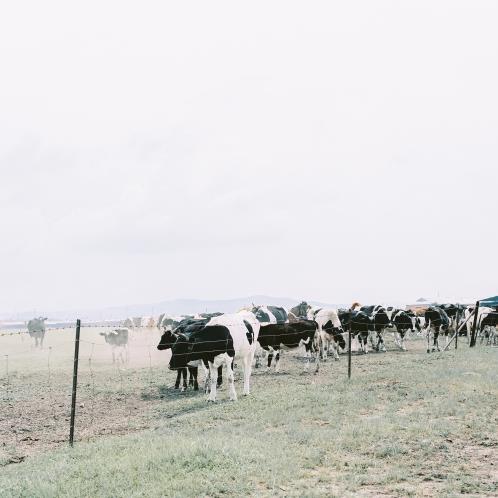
x=75 y=381
x=473 y=337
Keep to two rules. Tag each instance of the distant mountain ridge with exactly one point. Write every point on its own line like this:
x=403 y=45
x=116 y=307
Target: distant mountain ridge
x=171 y=307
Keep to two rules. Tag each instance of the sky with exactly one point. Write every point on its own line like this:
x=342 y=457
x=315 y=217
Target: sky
x=334 y=151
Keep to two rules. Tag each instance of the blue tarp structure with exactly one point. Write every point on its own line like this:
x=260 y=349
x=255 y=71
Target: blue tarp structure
x=490 y=301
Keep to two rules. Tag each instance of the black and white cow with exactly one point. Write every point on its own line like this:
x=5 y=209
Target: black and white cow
x=118 y=340
x=36 y=330
x=329 y=334
x=487 y=327
x=217 y=343
x=281 y=336
x=270 y=314
x=381 y=320
x=169 y=337
x=360 y=325
x=403 y=322
x=436 y=321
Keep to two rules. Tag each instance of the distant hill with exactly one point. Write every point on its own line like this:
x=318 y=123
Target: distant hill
x=171 y=307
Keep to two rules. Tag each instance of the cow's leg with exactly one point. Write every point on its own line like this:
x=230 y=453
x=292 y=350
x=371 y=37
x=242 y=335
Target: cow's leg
x=247 y=366
x=435 y=346
x=192 y=380
x=41 y=340
x=219 y=378
x=364 y=337
x=213 y=378
x=402 y=340
x=270 y=358
x=178 y=378
x=277 y=361
x=231 y=380
x=380 y=344
x=428 y=340
x=185 y=379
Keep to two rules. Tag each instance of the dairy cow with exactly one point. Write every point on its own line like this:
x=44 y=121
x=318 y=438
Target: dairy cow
x=276 y=337
x=36 y=330
x=217 y=343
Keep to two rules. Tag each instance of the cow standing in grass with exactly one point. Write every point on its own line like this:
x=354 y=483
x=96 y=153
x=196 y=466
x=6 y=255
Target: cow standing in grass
x=360 y=325
x=218 y=343
x=436 y=321
x=278 y=336
x=169 y=337
x=118 y=340
x=36 y=330
x=403 y=323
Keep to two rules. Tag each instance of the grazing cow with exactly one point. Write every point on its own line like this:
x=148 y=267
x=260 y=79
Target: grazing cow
x=217 y=343
x=118 y=340
x=36 y=330
x=436 y=321
x=380 y=322
x=277 y=336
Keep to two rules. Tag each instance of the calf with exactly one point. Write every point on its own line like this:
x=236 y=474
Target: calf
x=118 y=340
x=277 y=336
x=217 y=343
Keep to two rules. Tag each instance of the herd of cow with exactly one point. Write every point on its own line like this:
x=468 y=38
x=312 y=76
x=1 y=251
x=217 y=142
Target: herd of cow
x=211 y=341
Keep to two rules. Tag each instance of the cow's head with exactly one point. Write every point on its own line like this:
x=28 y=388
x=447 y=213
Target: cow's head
x=180 y=350
x=167 y=340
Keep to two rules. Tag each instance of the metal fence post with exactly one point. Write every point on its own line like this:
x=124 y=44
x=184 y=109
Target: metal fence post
x=473 y=337
x=75 y=381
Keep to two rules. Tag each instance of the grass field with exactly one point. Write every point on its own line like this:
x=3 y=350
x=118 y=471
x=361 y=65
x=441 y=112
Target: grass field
x=407 y=424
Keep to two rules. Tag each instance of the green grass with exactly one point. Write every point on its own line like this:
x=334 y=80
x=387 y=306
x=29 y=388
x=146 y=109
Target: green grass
x=405 y=425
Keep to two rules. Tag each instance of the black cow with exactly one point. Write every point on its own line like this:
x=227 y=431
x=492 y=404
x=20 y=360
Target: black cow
x=277 y=336
x=436 y=321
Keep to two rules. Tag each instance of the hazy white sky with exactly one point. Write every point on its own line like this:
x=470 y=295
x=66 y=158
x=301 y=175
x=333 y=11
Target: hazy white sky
x=321 y=150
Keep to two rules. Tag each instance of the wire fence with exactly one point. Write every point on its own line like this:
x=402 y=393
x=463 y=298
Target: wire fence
x=115 y=395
